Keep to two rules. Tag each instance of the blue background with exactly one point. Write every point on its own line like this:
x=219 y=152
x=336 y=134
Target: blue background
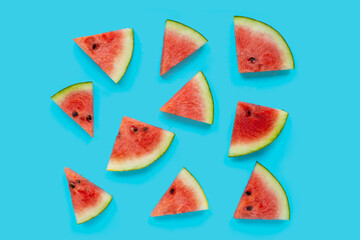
x=315 y=157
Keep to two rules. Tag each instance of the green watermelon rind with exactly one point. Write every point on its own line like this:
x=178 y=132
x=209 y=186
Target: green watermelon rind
x=278 y=38
x=135 y=164
x=195 y=184
x=207 y=96
x=60 y=96
x=130 y=48
x=278 y=190
x=242 y=149
x=186 y=30
x=95 y=211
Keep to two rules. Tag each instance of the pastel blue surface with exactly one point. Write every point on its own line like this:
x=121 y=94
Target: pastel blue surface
x=315 y=158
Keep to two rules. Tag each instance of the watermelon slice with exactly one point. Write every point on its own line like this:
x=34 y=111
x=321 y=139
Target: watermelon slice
x=112 y=51
x=180 y=41
x=194 y=101
x=260 y=47
x=263 y=198
x=184 y=195
x=255 y=127
x=137 y=145
x=88 y=199
x=77 y=102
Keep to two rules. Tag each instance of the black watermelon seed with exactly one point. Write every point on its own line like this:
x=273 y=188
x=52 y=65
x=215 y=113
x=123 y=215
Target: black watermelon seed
x=145 y=129
x=252 y=59
x=134 y=129
x=75 y=114
x=248 y=113
x=172 y=191
x=78 y=181
x=72 y=185
x=88 y=117
x=249 y=208
x=248 y=193
x=94 y=46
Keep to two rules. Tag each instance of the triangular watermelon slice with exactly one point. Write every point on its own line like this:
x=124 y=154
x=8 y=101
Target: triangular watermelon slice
x=180 y=41
x=194 y=100
x=88 y=199
x=77 y=102
x=137 y=145
x=260 y=47
x=112 y=51
x=184 y=195
x=263 y=198
x=255 y=127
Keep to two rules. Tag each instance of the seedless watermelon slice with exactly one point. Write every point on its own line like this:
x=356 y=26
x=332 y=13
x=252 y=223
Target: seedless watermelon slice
x=112 y=51
x=260 y=47
x=263 y=198
x=255 y=127
x=184 y=195
x=88 y=199
x=194 y=100
x=180 y=41
x=77 y=102
x=137 y=145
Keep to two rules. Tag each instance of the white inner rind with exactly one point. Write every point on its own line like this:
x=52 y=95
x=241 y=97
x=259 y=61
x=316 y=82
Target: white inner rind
x=243 y=149
x=184 y=30
x=60 y=96
x=89 y=213
x=145 y=160
x=206 y=96
x=257 y=26
x=278 y=190
x=190 y=181
x=121 y=62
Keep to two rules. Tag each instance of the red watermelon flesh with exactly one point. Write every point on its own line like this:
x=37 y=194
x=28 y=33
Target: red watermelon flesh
x=255 y=127
x=112 y=51
x=194 y=100
x=77 y=102
x=260 y=47
x=137 y=145
x=180 y=41
x=184 y=195
x=263 y=198
x=88 y=199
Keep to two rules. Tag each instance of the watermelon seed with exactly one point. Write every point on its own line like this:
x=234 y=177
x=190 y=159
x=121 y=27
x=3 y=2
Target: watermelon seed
x=72 y=185
x=88 y=117
x=95 y=46
x=252 y=59
x=248 y=113
x=249 y=208
x=75 y=114
x=248 y=193
x=145 y=128
x=78 y=181
x=172 y=191
x=134 y=129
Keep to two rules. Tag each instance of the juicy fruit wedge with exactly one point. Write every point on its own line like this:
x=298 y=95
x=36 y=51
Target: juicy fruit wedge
x=77 y=102
x=263 y=198
x=255 y=127
x=88 y=199
x=112 y=51
x=194 y=101
x=184 y=195
x=260 y=47
x=180 y=41
x=137 y=145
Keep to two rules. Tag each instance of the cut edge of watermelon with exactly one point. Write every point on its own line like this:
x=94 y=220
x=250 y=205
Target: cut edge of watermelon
x=277 y=188
x=96 y=210
x=189 y=180
x=185 y=30
x=243 y=149
x=146 y=160
x=60 y=95
x=207 y=96
x=124 y=59
x=259 y=26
